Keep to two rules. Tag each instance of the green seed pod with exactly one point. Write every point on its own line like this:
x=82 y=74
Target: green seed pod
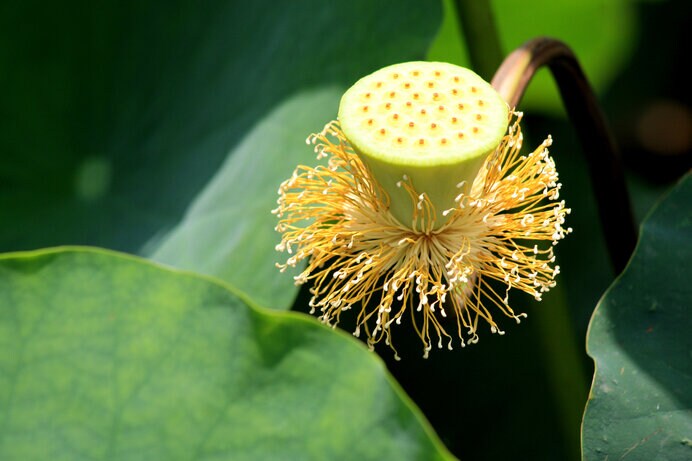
x=431 y=122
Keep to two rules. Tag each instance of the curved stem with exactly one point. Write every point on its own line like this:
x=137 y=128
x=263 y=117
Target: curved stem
x=603 y=160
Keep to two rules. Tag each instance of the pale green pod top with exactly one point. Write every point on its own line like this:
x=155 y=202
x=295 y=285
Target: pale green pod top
x=433 y=122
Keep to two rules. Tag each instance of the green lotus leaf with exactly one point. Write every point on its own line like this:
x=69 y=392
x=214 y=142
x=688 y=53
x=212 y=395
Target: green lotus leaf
x=640 y=405
x=106 y=356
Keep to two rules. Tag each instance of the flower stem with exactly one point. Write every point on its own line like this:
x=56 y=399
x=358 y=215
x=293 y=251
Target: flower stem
x=478 y=27
x=567 y=377
x=510 y=80
x=607 y=177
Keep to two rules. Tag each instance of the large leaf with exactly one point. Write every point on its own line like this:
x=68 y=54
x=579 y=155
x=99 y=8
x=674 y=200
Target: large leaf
x=115 y=113
x=641 y=401
x=229 y=227
x=104 y=356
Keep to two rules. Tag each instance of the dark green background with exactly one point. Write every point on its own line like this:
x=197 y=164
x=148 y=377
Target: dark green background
x=120 y=123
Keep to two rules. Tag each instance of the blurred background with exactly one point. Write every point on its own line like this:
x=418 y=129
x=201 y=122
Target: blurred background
x=117 y=116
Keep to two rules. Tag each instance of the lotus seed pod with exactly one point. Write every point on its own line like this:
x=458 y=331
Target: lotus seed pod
x=431 y=122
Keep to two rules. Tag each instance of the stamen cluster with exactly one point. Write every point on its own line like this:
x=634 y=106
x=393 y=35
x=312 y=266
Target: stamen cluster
x=502 y=228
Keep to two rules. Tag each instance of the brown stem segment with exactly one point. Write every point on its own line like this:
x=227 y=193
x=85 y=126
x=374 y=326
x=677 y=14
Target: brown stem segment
x=605 y=169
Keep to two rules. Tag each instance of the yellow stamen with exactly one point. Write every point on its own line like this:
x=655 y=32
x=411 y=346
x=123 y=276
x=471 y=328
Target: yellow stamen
x=502 y=227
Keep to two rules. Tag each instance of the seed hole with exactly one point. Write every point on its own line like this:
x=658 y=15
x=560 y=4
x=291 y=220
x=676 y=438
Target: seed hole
x=454 y=119
x=382 y=131
x=422 y=111
x=437 y=73
x=379 y=85
x=365 y=108
x=408 y=103
x=411 y=124
x=388 y=105
x=421 y=141
x=392 y=94
x=441 y=108
x=395 y=116
x=416 y=73
x=480 y=102
x=433 y=125
x=460 y=106
x=399 y=140
x=370 y=121
x=431 y=84
x=479 y=117
x=475 y=129
x=395 y=76
x=443 y=141
x=474 y=89
x=460 y=135
x=416 y=95
x=407 y=85
x=455 y=91
x=456 y=79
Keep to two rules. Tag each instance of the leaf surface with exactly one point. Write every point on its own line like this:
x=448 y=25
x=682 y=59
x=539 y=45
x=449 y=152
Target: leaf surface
x=640 y=405
x=118 y=113
x=105 y=356
x=228 y=231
